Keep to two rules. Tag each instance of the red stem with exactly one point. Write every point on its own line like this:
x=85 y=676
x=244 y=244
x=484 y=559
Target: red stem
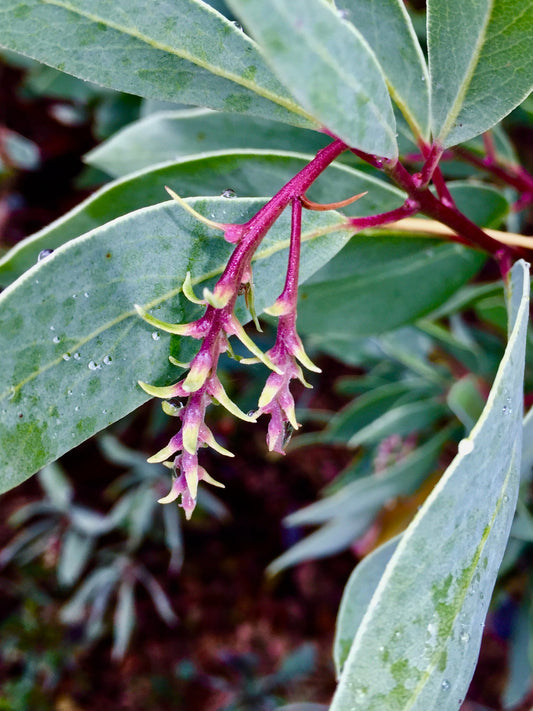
x=410 y=207
x=290 y=290
x=517 y=177
x=450 y=216
x=259 y=225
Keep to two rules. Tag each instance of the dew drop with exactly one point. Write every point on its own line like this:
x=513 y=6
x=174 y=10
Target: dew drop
x=228 y=193
x=156 y=335
x=104 y=412
x=465 y=446
x=92 y=365
x=52 y=328
x=43 y=254
x=237 y=26
x=69 y=392
x=55 y=339
x=250 y=413
x=397 y=634
x=77 y=356
x=465 y=637
x=74 y=296
x=505 y=499
x=445 y=686
x=343 y=14
x=66 y=356
x=77 y=408
x=107 y=360
x=86 y=294
x=423 y=78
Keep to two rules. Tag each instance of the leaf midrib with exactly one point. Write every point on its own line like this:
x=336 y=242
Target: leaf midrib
x=458 y=103
x=260 y=255
x=348 y=79
x=184 y=54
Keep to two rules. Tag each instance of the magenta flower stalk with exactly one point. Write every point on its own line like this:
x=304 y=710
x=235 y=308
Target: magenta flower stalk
x=201 y=386
x=276 y=399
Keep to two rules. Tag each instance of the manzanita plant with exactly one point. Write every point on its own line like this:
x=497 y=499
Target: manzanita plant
x=90 y=299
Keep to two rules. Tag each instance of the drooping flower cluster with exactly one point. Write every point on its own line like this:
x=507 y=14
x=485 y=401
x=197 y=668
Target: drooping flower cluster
x=201 y=386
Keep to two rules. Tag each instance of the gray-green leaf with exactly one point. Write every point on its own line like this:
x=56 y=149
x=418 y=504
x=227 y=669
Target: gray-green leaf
x=248 y=173
x=328 y=66
x=356 y=597
x=368 y=288
x=387 y=28
x=176 y=50
x=480 y=63
x=416 y=646
x=72 y=345
x=172 y=135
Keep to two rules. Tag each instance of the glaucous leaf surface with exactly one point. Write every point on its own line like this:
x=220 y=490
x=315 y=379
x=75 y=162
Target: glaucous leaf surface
x=356 y=597
x=328 y=66
x=387 y=28
x=480 y=63
x=417 y=643
x=173 y=135
x=72 y=345
x=368 y=288
x=247 y=173
x=178 y=50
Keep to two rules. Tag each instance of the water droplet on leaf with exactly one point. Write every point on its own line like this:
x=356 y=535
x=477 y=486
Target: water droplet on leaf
x=228 y=193
x=66 y=356
x=465 y=446
x=92 y=365
x=107 y=360
x=55 y=339
x=445 y=686
x=77 y=356
x=156 y=336
x=43 y=254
